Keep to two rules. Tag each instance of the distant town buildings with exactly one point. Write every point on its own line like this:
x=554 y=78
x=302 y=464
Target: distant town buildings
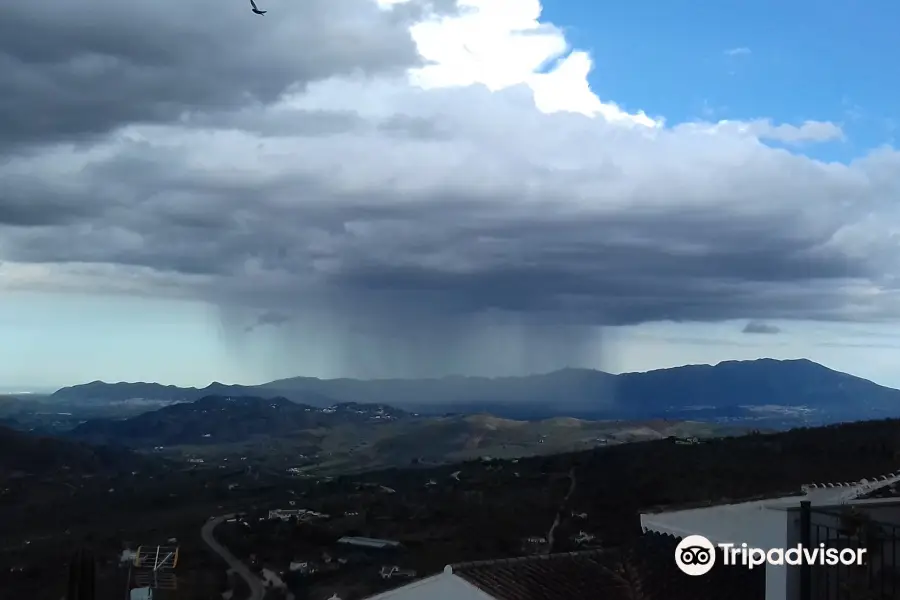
x=365 y=542
x=583 y=538
x=387 y=572
x=303 y=567
x=301 y=514
x=689 y=441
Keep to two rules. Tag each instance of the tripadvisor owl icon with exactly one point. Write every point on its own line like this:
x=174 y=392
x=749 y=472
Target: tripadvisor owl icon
x=695 y=555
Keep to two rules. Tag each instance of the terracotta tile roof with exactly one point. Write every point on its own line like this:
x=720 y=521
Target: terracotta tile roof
x=569 y=575
x=645 y=570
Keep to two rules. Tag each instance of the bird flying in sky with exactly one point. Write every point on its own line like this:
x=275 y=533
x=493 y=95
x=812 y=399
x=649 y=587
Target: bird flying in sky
x=256 y=10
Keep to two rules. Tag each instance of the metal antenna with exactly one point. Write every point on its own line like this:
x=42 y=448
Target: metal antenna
x=154 y=567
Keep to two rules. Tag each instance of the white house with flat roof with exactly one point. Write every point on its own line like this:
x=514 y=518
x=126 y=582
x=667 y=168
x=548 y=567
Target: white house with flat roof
x=366 y=542
x=775 y=522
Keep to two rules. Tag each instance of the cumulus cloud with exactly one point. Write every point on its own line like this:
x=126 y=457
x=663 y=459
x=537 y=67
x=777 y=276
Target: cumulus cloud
x=764 y=129
x=760 y=327
x=808 y=131
x=315 y=165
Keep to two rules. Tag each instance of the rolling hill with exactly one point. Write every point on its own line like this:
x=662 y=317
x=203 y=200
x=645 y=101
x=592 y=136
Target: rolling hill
x=282 y=433
x=223 y=420
x=22 y=452
x=106 y=394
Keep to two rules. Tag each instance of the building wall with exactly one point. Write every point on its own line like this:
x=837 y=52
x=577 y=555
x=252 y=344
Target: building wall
x=752 y=523
x=776 y=523
x=783 y=582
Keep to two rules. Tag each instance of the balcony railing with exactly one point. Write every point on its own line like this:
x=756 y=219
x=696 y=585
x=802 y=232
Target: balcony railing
x=877 y=579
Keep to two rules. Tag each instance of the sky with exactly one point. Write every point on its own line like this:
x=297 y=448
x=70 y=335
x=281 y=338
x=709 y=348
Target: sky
x=191 y=192
x=787 y=61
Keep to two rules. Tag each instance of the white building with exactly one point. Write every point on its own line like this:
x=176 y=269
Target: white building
x=302 y=514
x=776 y=522
x=444 y=586
x=648 y=569
x=143 y=593
x=366 y=542
x=303 y=567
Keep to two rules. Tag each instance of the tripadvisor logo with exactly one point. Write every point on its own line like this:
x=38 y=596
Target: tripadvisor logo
x=696 y=555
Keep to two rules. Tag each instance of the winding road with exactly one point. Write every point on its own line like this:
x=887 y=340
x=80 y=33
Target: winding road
x=562 y=507
x=257 y=591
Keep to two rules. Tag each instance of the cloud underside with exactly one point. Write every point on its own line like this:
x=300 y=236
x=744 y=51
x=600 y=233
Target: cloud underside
x=759 y=327
x=291 y=164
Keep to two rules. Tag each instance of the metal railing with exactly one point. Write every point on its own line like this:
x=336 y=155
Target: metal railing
x=877 y=579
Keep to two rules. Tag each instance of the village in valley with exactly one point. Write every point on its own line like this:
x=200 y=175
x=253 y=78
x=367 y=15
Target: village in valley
x=603 y=516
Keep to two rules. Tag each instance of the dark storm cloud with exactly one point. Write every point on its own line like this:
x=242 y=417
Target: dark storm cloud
x=759 y=327
x=25 y=202
x=456 y=257
x=268 y=318
x=422 y=214
x=71 y=70
x=270 y=123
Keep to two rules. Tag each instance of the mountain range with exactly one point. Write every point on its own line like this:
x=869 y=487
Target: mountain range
x=354 y=424
x=773 y=392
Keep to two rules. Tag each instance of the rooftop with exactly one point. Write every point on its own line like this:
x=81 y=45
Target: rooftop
x=643 y=570
x=890 y=491
x=570 y=575
x=667 y=508
x=738 y=521
x=365 y=541
x=817 y=493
